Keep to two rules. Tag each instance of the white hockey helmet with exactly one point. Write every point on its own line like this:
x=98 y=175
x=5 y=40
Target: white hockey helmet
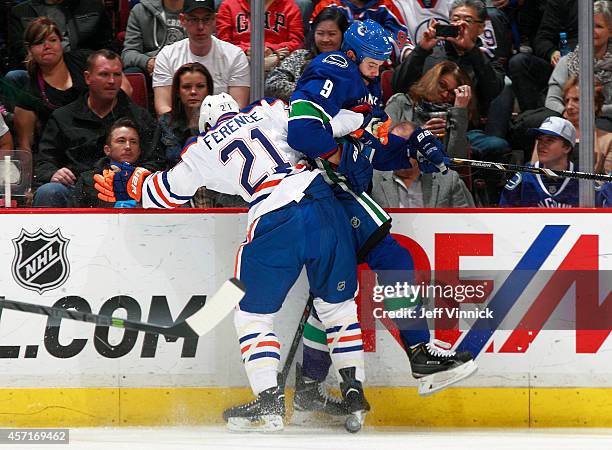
x=215 y=106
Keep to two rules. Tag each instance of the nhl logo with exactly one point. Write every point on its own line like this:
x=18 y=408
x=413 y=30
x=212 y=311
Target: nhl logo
x=40 y=263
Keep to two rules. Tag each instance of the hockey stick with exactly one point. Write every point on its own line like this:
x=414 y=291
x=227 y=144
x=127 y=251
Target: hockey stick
x=282 y=376
x=458 y=162
x=206 y=318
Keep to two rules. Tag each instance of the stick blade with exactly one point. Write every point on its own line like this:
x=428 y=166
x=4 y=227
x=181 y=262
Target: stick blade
x=217 y=307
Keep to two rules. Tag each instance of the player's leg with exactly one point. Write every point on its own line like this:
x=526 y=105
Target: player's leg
x=333 y=282
x=268 y=263
x=431 y=361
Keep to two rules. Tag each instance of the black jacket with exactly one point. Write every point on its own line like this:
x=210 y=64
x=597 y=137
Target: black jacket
x=88 y=26
x=74 y=137
x=559 y=16
x=487 y=74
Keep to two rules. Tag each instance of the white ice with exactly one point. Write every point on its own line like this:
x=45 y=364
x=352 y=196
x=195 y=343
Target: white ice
x=308 y=438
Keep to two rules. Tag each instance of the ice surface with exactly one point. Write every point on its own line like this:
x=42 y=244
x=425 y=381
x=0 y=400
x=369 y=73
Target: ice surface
x=299 y=437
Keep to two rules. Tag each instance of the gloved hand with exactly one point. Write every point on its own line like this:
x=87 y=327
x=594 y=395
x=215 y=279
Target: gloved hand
x=427 y=150
x=379 y=127
x=364 y=109
x=120 y=182
x=355 y=166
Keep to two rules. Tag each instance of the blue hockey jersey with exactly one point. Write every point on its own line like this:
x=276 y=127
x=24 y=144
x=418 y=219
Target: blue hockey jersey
x=331 y=82
x=534 y=190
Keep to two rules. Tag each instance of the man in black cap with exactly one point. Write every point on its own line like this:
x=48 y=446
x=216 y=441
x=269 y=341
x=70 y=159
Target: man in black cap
x=226 y=62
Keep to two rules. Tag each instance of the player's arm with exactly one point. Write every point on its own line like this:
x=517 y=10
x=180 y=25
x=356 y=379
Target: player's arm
x=165 y=189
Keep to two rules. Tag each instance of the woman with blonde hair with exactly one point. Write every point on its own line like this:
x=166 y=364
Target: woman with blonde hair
x=442 y=102
x=55 y=79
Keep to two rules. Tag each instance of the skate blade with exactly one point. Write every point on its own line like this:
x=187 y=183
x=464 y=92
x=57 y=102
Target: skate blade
x=436 y=382
x=315 y=418
x=265 y=424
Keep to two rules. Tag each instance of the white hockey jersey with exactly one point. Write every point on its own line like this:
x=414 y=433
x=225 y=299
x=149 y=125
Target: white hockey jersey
x=418 y=13
x=245 y=155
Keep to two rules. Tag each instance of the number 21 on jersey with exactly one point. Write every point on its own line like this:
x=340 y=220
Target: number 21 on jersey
x=250 y=151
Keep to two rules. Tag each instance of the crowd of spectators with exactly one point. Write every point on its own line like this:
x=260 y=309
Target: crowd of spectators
x=495 y=88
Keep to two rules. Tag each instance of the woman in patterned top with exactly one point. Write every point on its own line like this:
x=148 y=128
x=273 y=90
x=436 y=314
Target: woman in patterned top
x=325 y=36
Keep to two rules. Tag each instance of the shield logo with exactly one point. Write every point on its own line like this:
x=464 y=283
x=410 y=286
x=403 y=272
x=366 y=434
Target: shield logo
x=40 y=263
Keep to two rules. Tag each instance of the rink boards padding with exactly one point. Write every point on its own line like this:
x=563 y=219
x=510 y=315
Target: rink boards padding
x=155 y=264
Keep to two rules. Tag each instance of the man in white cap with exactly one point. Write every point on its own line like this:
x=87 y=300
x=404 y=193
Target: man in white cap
x=555 y=140
x=226 y=62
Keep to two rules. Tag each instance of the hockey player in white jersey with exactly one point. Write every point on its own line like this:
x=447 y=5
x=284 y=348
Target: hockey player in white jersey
x=294 y=221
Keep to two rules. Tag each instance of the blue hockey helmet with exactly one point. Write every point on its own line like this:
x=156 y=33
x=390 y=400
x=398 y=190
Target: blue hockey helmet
x=367 y=39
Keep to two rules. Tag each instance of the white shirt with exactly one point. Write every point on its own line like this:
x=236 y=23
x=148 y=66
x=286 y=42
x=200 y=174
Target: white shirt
x=3 y=126
x=226 y=62
x=410 y=197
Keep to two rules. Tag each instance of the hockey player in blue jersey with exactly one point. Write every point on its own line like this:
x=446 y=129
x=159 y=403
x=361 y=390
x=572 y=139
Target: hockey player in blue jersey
x=555 y=141
x=294 y=221
x=334 y=84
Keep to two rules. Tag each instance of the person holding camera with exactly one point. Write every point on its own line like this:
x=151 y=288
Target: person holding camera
x=459 y=43
x=442 y=102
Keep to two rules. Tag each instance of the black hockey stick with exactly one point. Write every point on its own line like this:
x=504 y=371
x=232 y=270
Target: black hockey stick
x=282 y=376
x=199 y=323
x=458 y=162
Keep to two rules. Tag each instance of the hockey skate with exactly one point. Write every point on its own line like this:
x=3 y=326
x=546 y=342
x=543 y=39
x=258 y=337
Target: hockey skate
x=265 y=413
x=356 y=404
x=436 y=367
x=311 y=395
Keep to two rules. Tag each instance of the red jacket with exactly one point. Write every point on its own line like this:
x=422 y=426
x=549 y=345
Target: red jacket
x=283 y=22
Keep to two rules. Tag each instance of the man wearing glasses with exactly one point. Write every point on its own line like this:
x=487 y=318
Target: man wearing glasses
x=465 y=50
x=226 y=62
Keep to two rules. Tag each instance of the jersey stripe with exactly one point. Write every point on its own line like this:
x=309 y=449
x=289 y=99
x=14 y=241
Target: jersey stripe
x=303 y=109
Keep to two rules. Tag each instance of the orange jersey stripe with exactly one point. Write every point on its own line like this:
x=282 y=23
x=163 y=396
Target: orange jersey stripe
x=268 y=184
x=355 y=337
x=160 y=193
x=261 y=344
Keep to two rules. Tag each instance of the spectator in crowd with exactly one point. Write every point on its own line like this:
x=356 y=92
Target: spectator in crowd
x=55 y=79
x=555 y=141
x=571 y=112
x=283 y=28
x=152 y=24
x=409 y=188
x=191 y=83
x=122 y=145
x=569 y=65
x=74 y=137
x=6 y=140
x=326 y=33
x=446 y=89
x=485 y=71
x=495 y=36
x=83 y=24
x=384 y=12
x=226 y=62
x=530 y=72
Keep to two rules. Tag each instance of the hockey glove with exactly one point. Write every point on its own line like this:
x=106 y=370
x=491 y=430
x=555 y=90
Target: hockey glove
x=120 y=182
x=364 y=109
x=427 y=150
x=355 y=166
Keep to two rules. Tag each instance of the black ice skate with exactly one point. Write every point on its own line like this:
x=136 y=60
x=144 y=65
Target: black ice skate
x=436 y=367
x=356 y=404
x=265 y=413
x=311 y=395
